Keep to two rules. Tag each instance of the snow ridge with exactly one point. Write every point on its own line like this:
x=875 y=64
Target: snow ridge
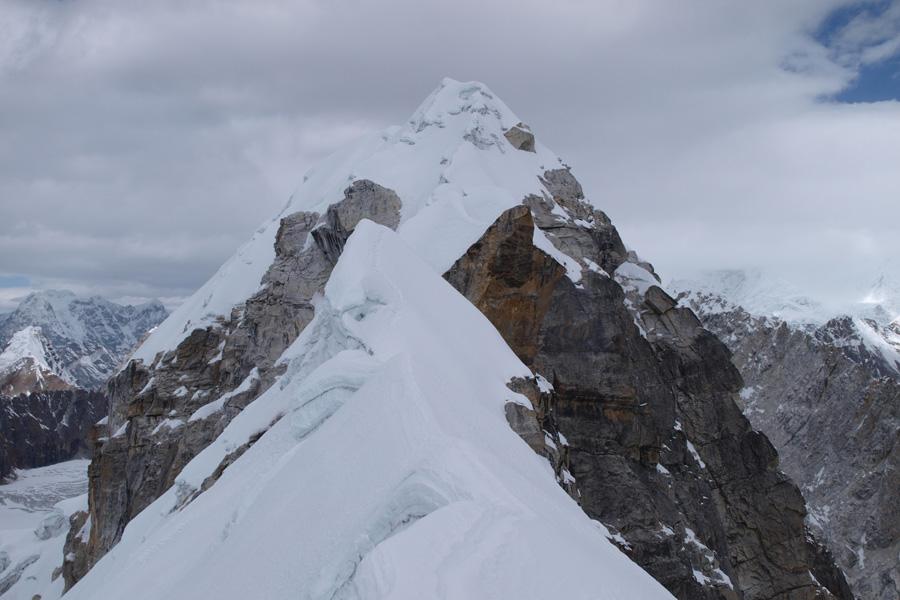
x=440 y=499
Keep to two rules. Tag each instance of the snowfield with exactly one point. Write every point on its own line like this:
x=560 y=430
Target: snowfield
x=387 y=468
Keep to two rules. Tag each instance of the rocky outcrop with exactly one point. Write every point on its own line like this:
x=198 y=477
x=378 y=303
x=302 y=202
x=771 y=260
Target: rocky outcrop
x=536 y=426
x=28 y=377
x=163 y=414
x=646 y=401
x=831 y=408
x=520 y=137
x=45 y=428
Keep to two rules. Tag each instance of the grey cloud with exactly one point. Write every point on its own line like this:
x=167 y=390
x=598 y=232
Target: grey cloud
x=143 y=142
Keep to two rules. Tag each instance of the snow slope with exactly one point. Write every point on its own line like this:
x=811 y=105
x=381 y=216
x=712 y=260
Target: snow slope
x=450 y=165
x=34 y=520
x=387 y=468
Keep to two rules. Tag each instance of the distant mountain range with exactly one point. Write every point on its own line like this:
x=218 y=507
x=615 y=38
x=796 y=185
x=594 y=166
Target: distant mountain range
x=56 y=340
x=868 y=331
x=824 y=385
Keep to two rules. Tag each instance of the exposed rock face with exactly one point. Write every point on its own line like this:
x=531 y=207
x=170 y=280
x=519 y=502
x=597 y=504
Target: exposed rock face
x=89 y=338
x=645 y=398
x=29 y=376
x=833 y=412
x=165 y=413
x=536 y=426
x=520 y=137
x=46 y=428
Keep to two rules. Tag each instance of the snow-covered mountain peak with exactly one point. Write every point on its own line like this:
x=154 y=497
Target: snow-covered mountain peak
x=454 y=143
x=472 y=100
x=29 y=363
x=881 y=302
x=460 y=160
x=27 y=343
x=755 y=292
x=359 y=403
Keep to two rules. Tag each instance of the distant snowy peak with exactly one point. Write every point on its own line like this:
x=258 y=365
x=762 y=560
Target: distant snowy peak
x=868 y=332
x=28 y=343
x=882 y=301
x=865 y=341
x=459 y=161
x=723 y=290
x=87 y=338
x=764 y=295
x=29 y=364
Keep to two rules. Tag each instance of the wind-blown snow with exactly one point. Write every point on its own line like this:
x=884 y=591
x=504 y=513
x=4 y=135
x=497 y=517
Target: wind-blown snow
x=451 y=166
x=387 y=468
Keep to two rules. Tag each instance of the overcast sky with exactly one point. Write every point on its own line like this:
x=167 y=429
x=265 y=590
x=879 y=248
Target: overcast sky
x=142 y=142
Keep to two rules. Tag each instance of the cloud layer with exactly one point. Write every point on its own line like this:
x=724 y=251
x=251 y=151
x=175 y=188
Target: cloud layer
x=142 y=142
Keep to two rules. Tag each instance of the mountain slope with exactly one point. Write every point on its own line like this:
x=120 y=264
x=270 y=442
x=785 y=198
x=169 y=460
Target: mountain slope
x=830 y=406
x=285 y=372
x=47 y=427
x=89 y=337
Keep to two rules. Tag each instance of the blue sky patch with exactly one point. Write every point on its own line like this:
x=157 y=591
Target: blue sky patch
x=875 y=81
x=14 y=281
